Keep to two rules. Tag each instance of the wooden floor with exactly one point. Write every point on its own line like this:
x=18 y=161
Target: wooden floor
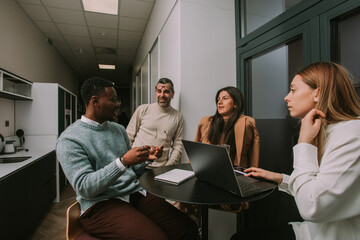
x=53 y=225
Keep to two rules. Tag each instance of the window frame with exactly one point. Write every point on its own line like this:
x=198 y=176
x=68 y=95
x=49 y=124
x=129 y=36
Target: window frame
x=310 y=19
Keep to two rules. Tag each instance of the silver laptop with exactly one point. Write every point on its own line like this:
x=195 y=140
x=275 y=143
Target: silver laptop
x=212 y=164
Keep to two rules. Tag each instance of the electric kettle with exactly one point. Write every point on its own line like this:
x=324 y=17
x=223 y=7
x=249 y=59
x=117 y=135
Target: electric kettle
x=9 y=147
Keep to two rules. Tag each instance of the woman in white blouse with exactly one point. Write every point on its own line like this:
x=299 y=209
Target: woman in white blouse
x=326 y=178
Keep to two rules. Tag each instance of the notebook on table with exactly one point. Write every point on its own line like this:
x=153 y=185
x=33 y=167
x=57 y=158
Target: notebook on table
x=212 y=164
x=175 y=176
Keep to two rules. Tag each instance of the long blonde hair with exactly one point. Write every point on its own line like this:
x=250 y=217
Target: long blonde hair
x=338 y=99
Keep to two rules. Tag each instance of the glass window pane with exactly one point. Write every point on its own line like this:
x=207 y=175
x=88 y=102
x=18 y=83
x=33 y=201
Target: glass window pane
x=271 y=74
x=348 y=49
x=259 y=12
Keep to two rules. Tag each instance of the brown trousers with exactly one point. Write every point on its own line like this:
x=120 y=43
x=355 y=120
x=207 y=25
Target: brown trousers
x=147 y=217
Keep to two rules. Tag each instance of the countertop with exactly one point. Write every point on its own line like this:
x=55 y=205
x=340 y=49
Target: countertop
x=8 y=168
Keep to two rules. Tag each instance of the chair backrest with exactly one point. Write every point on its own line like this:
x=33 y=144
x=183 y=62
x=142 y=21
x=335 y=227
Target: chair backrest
x=73 y=227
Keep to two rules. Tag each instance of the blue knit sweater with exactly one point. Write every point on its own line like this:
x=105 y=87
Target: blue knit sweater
x=87 y=155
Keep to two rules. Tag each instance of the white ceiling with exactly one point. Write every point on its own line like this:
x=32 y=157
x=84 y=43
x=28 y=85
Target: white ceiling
x=86 y=39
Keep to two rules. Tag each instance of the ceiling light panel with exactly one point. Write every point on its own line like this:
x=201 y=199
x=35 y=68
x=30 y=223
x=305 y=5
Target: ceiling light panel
x=103 y=6
x=106 y=66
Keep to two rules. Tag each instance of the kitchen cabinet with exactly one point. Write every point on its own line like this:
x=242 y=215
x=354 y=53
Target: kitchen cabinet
x=14 y=87
x=41 y=189
x=26 y=196
x=13 y=206
x=52 y=110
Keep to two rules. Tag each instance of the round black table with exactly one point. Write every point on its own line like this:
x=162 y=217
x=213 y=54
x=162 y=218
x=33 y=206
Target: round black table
x=193 y=191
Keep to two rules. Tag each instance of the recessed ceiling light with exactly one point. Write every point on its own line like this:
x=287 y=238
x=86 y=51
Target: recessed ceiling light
x=106 y=66
x=103 y=6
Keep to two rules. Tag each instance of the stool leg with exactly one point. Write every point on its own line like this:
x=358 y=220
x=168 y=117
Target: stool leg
x=204 y=221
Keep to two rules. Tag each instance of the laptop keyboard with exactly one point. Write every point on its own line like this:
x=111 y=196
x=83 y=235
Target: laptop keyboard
x=250 y=186
x=249 y=189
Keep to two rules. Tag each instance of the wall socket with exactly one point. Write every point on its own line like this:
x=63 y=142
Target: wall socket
x=7 y=123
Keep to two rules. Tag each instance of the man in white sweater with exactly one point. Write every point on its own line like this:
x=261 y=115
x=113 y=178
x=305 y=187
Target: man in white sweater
x=159 y=124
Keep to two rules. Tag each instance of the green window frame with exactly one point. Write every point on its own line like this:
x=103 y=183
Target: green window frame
x=309 y=19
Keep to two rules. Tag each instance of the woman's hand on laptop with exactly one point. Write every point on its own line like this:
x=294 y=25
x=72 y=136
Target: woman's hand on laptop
x=261 y=173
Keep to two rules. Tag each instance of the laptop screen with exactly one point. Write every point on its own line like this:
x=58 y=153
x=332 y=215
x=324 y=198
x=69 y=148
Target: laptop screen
x=212 y=163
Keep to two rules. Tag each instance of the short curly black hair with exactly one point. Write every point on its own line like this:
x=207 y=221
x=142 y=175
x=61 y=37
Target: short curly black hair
x=93 y=87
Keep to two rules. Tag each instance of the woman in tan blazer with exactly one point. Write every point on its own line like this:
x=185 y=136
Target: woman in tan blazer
x=228 y=126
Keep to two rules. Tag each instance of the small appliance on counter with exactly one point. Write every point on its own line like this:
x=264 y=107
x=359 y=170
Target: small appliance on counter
x=12 y=144
x=20 y=135
x=14 y=139
x=9 y=147
x=17 y=140
x=2 y=143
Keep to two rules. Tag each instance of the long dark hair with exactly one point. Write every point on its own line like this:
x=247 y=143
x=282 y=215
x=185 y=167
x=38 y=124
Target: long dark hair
x=218 y=125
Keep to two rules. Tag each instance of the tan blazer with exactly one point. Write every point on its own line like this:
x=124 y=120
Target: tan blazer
x=247 y=140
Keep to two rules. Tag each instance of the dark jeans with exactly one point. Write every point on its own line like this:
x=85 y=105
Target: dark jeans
x=147 y=217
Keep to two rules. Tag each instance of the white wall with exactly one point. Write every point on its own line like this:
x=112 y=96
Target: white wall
x=157 y=20
x=208 y=59
x=196 y=42
x=154 y=65
x=25 y=52
x=160 y=13
x=169 y=60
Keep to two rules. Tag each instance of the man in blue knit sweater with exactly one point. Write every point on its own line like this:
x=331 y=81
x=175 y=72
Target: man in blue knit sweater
x=98 y=161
